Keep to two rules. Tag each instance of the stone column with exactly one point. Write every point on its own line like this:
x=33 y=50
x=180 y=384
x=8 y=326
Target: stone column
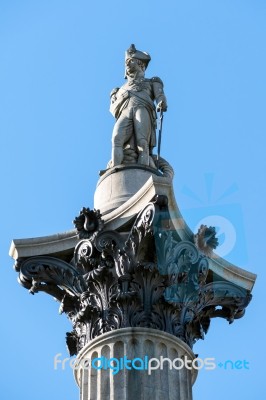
x=134 y=348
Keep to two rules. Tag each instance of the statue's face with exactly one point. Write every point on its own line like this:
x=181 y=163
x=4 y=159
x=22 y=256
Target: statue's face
x=132 y=65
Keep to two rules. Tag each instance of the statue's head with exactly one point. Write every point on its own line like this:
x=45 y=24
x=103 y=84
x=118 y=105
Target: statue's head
x=136 y=59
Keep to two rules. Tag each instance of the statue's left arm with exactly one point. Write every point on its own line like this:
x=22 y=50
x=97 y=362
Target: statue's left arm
x=159 y=95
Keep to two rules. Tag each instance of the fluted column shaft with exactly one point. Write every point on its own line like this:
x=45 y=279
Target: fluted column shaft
x=118 y=365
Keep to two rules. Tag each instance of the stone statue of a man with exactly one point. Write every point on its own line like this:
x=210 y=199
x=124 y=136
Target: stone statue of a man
x=133 y=107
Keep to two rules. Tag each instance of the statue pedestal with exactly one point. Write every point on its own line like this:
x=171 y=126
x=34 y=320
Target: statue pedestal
x=119 y=184
x=110 y=377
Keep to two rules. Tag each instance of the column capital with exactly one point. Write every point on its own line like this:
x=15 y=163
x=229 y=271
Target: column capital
x=146 y=277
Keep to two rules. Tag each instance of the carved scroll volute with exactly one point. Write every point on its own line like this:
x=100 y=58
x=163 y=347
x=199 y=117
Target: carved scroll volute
x=85 y=257
x=51 y=271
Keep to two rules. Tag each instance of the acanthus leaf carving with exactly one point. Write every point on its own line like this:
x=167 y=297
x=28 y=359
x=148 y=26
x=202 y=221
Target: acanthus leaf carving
x=148 y=277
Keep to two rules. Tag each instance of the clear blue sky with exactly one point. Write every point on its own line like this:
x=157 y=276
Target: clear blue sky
x=59 y=60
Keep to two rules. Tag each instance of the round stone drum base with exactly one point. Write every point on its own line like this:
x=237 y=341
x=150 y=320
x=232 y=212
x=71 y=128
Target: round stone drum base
x=135 y=363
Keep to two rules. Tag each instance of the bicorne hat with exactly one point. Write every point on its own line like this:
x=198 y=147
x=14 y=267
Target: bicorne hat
x=132 y=52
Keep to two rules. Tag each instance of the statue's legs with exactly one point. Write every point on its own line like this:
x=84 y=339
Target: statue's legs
x=122 y=132
x=142 y=128
x=135 y=119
